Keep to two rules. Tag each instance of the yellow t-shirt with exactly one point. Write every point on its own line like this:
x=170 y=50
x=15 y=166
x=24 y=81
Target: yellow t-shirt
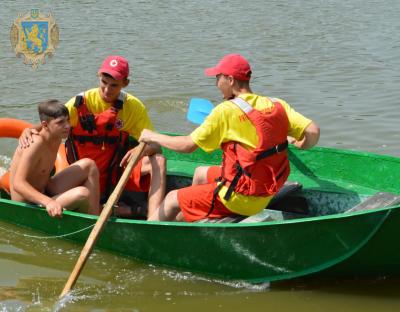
x=226 y=123
x=132 y=118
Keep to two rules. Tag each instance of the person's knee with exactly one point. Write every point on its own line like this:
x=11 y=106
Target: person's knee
x=168 y=210
x=199 y=171
x=200 y=175
x=172 y=198
x=89 y=165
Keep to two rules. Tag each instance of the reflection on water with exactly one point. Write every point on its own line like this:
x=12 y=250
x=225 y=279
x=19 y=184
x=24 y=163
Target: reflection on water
x=115 y=283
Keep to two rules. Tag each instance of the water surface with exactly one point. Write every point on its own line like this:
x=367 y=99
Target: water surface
x=337 y=62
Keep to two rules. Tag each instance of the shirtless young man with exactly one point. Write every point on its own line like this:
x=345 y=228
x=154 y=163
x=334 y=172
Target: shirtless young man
x=75 y=187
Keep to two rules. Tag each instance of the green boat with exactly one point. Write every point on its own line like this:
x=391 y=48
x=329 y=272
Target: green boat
x=344 y=220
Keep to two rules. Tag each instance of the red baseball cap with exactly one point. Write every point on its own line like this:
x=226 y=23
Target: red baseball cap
x=233 y=65
x=116 y=66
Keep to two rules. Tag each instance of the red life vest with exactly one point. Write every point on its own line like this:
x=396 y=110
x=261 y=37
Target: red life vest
x=262 y=171
x=97 y=137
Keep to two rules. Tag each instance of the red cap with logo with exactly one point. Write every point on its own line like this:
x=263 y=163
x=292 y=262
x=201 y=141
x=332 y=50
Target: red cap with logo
x=116 y=66
x=233 y=65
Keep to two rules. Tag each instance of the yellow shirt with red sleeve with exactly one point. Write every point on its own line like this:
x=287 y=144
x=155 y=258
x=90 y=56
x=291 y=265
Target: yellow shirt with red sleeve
x=132 y=118
x=226 y=123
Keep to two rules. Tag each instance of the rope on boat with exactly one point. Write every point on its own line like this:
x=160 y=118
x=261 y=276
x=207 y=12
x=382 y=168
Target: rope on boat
x=49 y=236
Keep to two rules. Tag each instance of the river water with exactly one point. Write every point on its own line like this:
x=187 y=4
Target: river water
x=336 y=61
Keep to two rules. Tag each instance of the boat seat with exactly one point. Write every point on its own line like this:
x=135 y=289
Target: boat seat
x=272 y=215
x=293 y=204
x=379 y=200
x=288 y=188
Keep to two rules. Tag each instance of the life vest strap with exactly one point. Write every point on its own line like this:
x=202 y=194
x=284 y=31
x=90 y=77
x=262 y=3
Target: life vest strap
x=273 y=150
x=242 y=104
x=97 y=140
x=87 y=122
x=235 y=180
x=120 y=102
x=215 y=194
x=79 y=99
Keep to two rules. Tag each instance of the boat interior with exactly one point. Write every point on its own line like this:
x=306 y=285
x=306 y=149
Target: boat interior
x=293 y=201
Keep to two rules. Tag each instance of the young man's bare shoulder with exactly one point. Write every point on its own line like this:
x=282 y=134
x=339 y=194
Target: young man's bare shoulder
x=35 y=147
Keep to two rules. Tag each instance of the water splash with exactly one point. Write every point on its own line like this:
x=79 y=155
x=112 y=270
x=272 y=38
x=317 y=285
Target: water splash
x=236 y=284
x=5 y=162
x=76 y=295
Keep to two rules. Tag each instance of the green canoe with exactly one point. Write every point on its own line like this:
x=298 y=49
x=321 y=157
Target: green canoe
x=329 y=239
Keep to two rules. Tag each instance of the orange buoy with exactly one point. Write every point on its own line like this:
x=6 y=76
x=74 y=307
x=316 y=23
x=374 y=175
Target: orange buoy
x=12 y=128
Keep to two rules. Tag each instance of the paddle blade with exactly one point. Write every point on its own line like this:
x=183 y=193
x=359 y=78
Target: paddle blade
x=198 y=110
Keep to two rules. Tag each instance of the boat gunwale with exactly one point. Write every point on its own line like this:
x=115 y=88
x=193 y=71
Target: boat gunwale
x=210 y=224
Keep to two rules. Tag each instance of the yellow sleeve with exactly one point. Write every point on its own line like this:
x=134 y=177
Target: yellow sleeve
x=209 y=135
x=73 y=113
x=135 y=118
x=297 y=122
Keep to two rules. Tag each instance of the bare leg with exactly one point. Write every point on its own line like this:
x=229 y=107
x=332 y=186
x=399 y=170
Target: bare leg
x=155 y=165
x=81 y=173
x=76 y=198
x=169 y=209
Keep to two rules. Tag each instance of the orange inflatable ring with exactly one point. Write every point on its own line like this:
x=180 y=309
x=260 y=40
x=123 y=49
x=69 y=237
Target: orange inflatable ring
x=12 y=128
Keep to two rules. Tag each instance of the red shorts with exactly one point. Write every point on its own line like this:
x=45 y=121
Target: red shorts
x=137 y=182
x=195 y=201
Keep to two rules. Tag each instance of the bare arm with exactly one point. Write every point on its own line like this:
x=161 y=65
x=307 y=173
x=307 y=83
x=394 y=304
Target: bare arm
x=182 y=144
x=310 y=137
x=29 y=159
x=26 y=137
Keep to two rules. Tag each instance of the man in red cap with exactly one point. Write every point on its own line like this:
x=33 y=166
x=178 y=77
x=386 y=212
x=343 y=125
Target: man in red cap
x=106 y=123
x=252 y=132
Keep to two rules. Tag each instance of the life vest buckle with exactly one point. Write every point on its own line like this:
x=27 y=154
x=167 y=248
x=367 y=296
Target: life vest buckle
x=281 y=147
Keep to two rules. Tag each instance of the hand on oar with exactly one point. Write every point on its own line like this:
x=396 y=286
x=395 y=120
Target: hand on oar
x=101 y=221
x=128 y=156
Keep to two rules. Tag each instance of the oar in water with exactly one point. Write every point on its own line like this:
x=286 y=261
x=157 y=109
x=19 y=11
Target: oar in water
x=101 y=221
x=198 y=110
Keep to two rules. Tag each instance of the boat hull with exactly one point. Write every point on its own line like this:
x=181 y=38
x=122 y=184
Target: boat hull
x=332 y=242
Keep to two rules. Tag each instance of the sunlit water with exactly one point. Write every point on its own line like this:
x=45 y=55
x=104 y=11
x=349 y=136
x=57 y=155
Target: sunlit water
x=338 y=62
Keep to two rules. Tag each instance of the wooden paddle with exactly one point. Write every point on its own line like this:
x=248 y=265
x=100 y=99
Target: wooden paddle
x=101 y=221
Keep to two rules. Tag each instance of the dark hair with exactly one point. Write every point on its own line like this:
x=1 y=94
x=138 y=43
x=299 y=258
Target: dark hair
x=107 y=75
x=52 y=109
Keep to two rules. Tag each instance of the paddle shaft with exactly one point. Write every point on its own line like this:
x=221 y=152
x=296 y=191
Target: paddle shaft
x=101 y=221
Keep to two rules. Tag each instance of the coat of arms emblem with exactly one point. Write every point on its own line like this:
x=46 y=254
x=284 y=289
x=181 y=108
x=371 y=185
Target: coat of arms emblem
x=34 y=35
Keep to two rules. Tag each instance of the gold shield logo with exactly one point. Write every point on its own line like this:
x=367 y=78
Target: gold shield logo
x=34 y=35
